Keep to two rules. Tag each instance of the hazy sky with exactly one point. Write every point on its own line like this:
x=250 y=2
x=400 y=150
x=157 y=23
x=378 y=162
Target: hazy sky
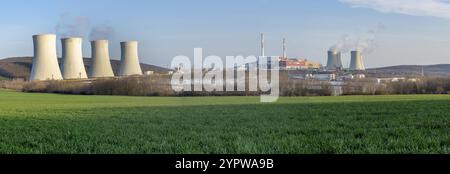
x=393 y=31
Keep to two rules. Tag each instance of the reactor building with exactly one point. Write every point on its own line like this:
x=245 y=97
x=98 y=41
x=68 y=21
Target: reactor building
x=129 y=60
x=45 y=61
x=72 y=56
x=357 y=61
x=334 y=60
x=101 y=63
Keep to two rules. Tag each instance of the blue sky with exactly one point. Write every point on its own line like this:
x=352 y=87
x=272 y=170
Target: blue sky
x=167 y=28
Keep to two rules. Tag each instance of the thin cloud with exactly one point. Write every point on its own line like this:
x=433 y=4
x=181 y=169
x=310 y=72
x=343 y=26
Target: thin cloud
x=434 y=8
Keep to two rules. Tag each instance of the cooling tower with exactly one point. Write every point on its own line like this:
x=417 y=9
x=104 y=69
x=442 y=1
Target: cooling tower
x=357 y=61
x=334 y=60
x=73 y=66
x=129 y=60
x=45 y=61
x=101 y=63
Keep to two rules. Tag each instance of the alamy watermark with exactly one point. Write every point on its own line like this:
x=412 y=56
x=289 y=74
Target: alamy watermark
x=207 y=74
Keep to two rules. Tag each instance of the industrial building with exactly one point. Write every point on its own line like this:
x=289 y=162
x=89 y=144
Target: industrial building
x=101 y=63
x=129 y=60
x=287 y=63
x=72 y=56
x=45 y=61
x=298 y=64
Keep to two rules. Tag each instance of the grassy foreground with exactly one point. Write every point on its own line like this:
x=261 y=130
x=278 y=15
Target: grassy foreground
x=48 y=123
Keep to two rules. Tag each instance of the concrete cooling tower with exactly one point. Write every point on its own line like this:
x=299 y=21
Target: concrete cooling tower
x=334 y=60
x=73 y=66
x=45 y=61
x=101 y=63
x=357 y=61
x=129 y=60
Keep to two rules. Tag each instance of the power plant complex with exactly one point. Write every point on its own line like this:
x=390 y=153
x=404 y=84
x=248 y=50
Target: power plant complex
x=45 y=64
x=334 y=60
x=287 y=63
x=333 y=72
x=46 y=67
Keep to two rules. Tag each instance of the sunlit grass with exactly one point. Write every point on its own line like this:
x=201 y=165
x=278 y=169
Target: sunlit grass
x=50 y=123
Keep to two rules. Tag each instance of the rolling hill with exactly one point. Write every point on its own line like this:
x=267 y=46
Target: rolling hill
x=20 y=67
x=428 y=70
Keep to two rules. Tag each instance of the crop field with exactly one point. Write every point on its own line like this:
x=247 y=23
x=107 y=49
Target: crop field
x=70 y=124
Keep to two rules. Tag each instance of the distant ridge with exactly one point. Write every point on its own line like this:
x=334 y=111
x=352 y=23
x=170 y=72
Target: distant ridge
x=429 y=70
x=20 y=67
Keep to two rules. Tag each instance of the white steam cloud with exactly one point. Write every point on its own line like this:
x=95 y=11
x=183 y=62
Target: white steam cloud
x=364 y=42
x=102 y=32
x=80 y=26
x=72 y=26
x=434 y=8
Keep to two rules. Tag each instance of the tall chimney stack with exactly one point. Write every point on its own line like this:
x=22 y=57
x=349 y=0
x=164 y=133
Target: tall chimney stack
x=101 y=63
x=262 y=45
x=129 y=60
x=45 y=61
x=284 y=48
x=73 y=65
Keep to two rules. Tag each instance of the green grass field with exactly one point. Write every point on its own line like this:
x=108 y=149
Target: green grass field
x=49 y=123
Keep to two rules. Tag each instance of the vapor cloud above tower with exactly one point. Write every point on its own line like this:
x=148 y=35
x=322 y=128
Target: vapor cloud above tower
x=69 y=26
x=364 y=42
x=102 y=32
x=81 y=26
